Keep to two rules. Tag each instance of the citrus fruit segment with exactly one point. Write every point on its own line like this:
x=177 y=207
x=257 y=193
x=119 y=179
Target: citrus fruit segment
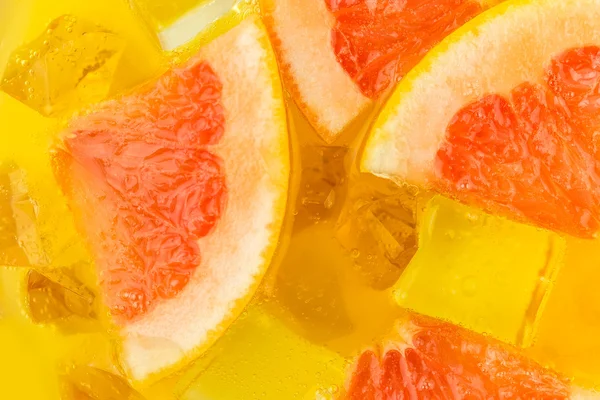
x=180 y=188
x=378 y=42
x=301 y=36
x=503 y=115
x=425 y=358
x=338 y=56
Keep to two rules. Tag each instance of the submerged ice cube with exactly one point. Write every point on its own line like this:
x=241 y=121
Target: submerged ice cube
x=323 y=172
x=378 y=228
x=481 y=271
x=53 y=292
x=265 y=360
x=84 y=382
x=10 y=251
x=69 y=65
x=57 y=295
x=20 y=244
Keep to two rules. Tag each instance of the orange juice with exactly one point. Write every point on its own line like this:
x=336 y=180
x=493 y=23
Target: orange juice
x=355 y=250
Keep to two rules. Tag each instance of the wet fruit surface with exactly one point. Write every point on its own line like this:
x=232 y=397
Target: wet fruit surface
x=378 y=42
x=427 y=358
x=144 y=186
x=534 y=154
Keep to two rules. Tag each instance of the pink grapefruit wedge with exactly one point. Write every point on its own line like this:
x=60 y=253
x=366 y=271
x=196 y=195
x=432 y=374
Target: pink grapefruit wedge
x=425 y=358
x=339 y=56
x=504 y=115
x=180 y=188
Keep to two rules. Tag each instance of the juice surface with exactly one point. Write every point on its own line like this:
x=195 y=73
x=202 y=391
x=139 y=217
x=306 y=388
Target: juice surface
x=355 y=249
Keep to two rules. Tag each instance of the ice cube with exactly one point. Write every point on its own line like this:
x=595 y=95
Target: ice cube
x=177 y=22
x=10 y=251
x=323 y=172
x=378 y=228
x=58 y=294
x=267 y=361
x=69 y=65
x=481 y=271
x=20 y=244
x=84 y=382
x=54 y=293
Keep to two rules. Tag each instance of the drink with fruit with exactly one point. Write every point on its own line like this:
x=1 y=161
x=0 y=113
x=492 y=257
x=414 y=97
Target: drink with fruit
x=285 y=199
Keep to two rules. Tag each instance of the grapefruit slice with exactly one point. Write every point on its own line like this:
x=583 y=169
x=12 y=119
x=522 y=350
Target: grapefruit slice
x=425 y=358
x=338 y=56
x=180 y=189
x=504 y=115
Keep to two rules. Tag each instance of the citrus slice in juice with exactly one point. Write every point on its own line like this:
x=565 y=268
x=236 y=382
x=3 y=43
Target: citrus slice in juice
x=425 y=358
x=338 y=56
x=180 y=188
x=503 y=115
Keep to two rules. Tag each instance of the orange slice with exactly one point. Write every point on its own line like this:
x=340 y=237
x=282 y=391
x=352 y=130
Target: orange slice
x=425 y=358
x=504 y=115
x=338 y=56
x=180 y=188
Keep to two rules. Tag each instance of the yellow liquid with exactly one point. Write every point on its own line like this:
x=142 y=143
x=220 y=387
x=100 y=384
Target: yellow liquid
x=570 y=327
x=36 y=354
x=318 y=306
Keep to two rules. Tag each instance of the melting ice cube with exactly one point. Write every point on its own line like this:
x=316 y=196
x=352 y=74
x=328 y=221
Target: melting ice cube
x=58 y=294
x=378 y=229
x=19 y=242
x=86 y=382
x=54 y=293
x=69 y=65
x=480 y=271
x=323 y=172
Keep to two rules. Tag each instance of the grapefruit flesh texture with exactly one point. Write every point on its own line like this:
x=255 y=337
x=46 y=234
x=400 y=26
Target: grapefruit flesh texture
x=431 y=359
x=146 y=187
x=378 y=41
x=534 y=153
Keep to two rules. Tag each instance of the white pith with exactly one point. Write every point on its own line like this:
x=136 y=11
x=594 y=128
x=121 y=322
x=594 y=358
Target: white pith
x=319 y=84
x=494 y=53
x=235 y=254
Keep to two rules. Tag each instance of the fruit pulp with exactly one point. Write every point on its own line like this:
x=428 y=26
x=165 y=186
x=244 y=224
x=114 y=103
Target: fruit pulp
x=182 y=207
x=407 y=31
x=537 y=143
x=317 y=303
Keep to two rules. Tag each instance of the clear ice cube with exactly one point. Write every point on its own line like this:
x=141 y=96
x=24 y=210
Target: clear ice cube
x=481 y=271
x=20 y=244
x=58 y=294
x=323 y=172
x=177 y=22
x=267 y=360
x=70 y=64
x=378 y=228
x=84 y=382
x=54 y=293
